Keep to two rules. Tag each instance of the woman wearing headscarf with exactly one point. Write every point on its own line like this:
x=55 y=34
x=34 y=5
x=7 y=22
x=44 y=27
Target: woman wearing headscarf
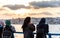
x=8 y=30
x=28 y=28
x=42 y=29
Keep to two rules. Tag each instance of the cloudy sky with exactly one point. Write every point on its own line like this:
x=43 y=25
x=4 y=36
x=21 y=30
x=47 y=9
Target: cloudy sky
x=43 y=7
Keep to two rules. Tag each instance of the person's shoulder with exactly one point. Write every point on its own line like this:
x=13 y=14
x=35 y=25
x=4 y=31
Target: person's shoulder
x=11 y=26
x=1 y=27
x=31 y=24
x=46 y=24
x=40 y=24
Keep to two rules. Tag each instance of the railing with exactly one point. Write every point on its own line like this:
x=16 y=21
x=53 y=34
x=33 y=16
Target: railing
x=49 y=34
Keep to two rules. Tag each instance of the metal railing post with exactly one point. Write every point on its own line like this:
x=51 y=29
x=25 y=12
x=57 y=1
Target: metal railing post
x=49 y=35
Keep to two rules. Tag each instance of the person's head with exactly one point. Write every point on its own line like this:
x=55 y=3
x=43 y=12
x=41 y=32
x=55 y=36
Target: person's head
x=7 y=22
x=26 y=21
x=2 y=23
x=42 y=20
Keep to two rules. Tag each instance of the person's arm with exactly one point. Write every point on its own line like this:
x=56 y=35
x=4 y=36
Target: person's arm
x=13 y=29
x=32 y=27
x=47 y=28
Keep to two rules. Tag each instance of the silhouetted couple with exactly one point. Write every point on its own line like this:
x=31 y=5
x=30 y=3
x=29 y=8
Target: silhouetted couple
x=28 y=28
x=6 y=31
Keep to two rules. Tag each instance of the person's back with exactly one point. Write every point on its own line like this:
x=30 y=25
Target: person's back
x=1 y=31
x=28 y=28
x=7 y=33
x=31 y=28
x=29 y=31
x=42 y=29
x=9 y=28
x=1 y=28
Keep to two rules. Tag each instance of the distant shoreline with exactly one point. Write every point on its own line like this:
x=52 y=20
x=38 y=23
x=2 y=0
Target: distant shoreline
x=36 y=20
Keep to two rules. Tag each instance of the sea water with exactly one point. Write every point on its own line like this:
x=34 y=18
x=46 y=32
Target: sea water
x=53 y=28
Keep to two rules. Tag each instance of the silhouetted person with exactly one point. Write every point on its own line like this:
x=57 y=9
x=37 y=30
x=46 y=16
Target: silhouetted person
x=28 y=28
x=8 y=30
x=42 y=29
x=1 y=28
x=1 y=31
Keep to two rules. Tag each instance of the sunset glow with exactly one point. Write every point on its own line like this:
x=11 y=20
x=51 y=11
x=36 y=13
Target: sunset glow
x=33 y=8
x=22 y=11
x=13 y=2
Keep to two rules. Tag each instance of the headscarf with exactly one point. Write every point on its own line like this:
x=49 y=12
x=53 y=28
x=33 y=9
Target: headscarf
x=42 y=20
x=7 y=22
